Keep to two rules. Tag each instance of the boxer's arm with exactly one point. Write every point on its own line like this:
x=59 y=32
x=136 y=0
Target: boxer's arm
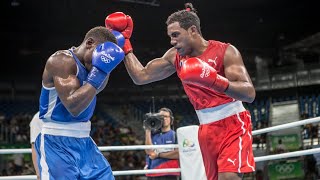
x=155 y=70
x=60 y=72
x=240 y=84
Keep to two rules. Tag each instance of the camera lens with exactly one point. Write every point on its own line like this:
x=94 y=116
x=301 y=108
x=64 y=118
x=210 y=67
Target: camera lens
x=153 y=123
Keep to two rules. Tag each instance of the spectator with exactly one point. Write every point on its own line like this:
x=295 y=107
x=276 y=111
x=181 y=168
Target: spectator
x=162 y=158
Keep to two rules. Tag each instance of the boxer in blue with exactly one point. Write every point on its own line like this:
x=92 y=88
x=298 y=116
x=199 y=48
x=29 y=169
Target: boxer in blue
x=70 y=82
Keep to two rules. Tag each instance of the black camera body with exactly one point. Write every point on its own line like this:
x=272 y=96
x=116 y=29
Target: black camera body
x=153 y=121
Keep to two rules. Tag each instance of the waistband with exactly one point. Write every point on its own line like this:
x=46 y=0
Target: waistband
x=70 y=129
x=217 y=113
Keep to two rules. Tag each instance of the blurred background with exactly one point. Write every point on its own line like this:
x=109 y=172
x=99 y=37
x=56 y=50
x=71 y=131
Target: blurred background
x=279 y=42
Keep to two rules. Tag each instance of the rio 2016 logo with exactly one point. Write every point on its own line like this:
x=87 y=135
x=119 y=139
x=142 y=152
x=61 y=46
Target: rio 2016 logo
x=187 y=143
x=189 y=147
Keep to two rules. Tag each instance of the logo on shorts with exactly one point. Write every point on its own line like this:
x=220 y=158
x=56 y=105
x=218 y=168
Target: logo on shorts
x=233 y=162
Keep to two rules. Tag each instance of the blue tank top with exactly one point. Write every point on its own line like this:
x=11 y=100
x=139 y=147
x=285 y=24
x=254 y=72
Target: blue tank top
x=51 y=107
x=160 y=139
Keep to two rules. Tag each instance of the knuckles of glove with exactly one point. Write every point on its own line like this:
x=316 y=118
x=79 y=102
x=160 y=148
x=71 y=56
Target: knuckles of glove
x=116 y=21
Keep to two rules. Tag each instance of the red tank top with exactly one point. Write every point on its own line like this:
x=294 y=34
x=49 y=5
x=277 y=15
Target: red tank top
x=201 y=97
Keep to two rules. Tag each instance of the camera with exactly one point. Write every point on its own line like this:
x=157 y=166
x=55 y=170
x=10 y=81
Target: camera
x=153 y=121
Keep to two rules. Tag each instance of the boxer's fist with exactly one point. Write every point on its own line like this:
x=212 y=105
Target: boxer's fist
x=123 y=23
x=127 y=32
x=116 y=21
x=105 y=58
x=120 y=22
x=195 y=71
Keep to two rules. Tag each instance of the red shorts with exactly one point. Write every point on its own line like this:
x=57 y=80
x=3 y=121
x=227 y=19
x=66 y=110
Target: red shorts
x=226 y=145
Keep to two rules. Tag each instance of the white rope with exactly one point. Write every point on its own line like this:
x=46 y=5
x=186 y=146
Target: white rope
x=149 y=171
x=101 y=148
x=136 y=147
x=142 y=147
x=136 y=172
x=25 y=177
x=15 y=151
x=287 y=155
x=115 y=173
x=286 y=126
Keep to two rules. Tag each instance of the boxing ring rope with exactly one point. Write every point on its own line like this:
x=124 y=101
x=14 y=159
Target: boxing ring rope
x=137 y=172
x=143 y=147
x=115 y=173
x=286 y=126
x=101 y=148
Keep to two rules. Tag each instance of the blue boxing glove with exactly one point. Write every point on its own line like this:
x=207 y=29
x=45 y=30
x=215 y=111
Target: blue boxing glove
x=120 y=38
x=105 y=58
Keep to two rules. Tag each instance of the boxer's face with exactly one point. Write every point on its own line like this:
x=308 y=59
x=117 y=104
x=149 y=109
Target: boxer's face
x=88 y=57
x=180 y=38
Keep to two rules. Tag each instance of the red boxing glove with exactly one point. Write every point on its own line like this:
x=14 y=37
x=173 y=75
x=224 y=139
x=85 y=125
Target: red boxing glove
x=127 y=32
x=196 y=71
x=123 y=23
x=116 y=21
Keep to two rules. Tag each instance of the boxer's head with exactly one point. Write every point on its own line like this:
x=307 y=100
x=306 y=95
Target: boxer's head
x=186 y=18
x=183 y=28
x=92 y=39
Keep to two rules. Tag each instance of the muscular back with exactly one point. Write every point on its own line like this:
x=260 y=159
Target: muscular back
x=65 y=96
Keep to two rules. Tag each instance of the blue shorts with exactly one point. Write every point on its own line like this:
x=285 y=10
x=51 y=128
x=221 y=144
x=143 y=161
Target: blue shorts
x=64 y=157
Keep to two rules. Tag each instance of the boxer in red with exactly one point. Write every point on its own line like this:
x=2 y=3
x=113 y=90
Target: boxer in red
x=216 y=81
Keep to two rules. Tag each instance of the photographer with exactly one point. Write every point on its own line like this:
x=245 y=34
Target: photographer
x=158 y=131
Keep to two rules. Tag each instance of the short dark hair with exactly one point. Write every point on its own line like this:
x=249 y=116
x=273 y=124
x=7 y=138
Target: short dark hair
x=186 y=18
x=166 y=110
x=101 y=34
